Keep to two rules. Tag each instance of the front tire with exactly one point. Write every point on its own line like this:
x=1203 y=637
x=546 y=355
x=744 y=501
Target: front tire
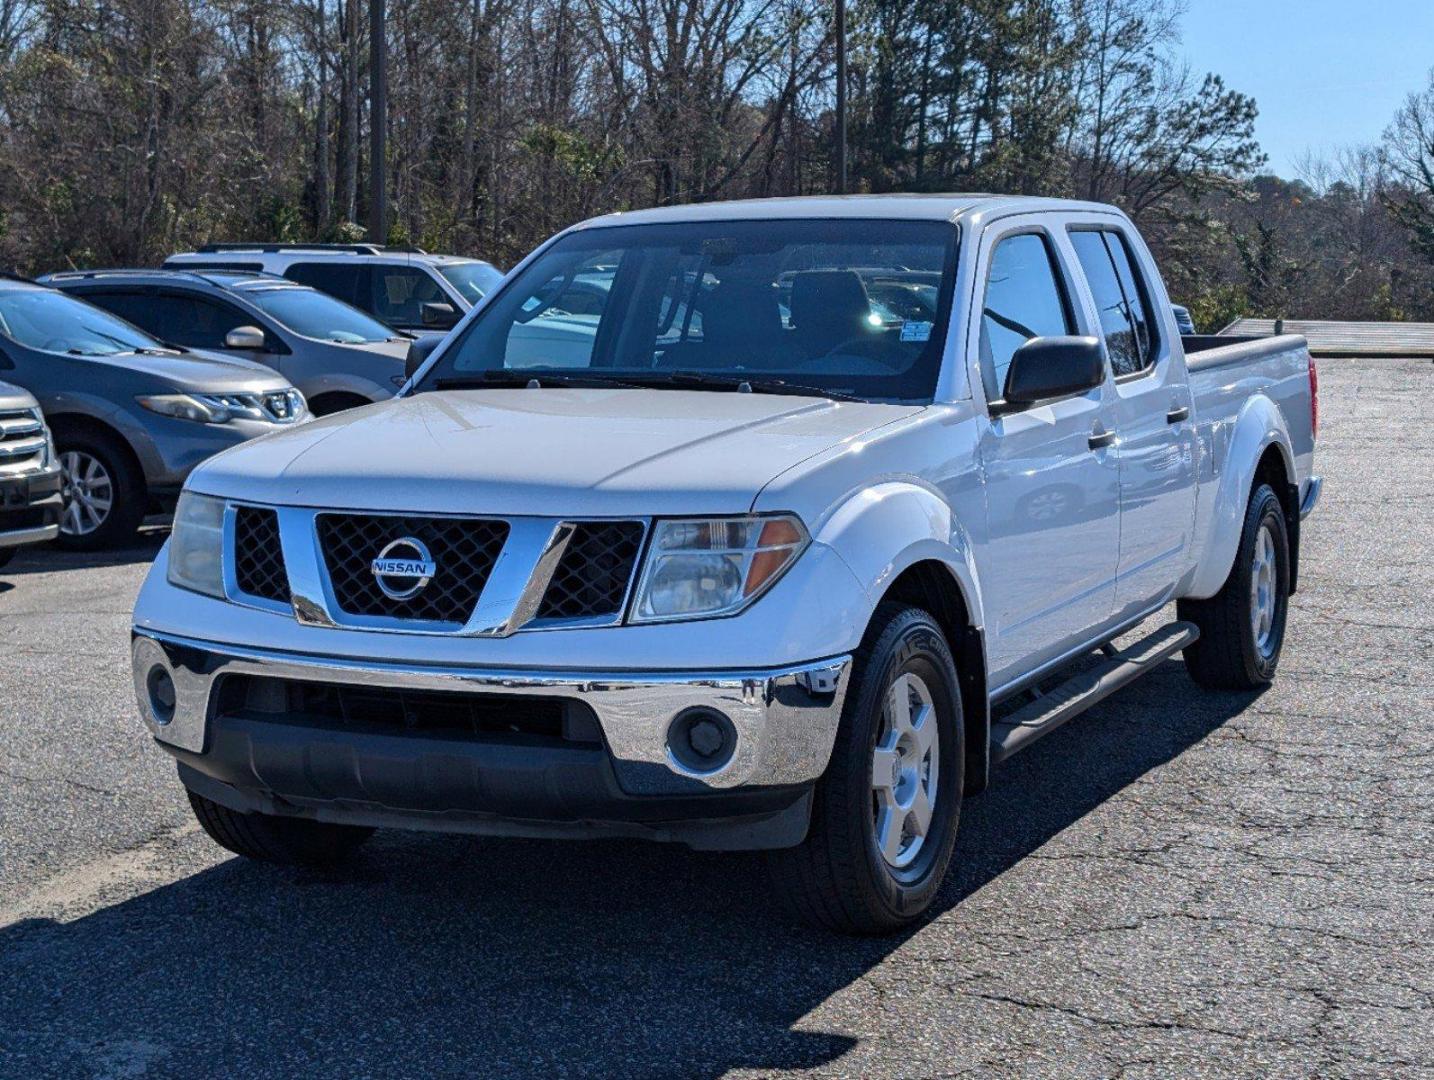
x=266 y=838
x=885 y=813
x=1242 y=627
x=103 y=491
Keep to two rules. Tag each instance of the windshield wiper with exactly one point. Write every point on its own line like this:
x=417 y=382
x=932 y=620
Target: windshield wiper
x=505 y=377
x=746 y=384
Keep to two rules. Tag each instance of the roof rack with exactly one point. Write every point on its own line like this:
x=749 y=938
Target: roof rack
x=10 y=275
x=354 y=249
x=160 y=271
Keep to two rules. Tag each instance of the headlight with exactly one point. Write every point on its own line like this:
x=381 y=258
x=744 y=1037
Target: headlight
x=705 y=567
x=186 y=407
x=196 y=546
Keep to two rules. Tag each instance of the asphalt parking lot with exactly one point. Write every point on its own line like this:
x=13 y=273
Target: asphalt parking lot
x=1177 y=884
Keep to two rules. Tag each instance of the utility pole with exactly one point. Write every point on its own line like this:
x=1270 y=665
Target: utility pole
x=841 y=97
x=377 y=124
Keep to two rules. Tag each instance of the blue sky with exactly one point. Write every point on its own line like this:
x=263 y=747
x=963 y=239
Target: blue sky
x=1325 y=73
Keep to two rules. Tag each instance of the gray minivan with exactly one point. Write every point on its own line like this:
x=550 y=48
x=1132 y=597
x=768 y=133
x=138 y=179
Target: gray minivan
x=131 y=416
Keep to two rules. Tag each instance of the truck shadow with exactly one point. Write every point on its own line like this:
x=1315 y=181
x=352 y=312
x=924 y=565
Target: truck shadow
x=454 y=956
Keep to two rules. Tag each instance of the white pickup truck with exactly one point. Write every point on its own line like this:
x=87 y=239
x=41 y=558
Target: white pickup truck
x=839 y=503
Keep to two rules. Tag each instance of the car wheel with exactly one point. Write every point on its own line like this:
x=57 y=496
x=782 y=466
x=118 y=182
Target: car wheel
x=267 y=838
x=6 y=554
x=885 y=813
x=1242 y=627
x=103 y=491
x=336 y=402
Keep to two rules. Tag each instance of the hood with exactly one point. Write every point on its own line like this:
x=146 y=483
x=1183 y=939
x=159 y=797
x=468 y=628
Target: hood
x=551 y=451
x=195 y=372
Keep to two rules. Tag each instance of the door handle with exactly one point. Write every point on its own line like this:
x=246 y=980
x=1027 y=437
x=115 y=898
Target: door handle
x=1175 y=416
x=1101 y=439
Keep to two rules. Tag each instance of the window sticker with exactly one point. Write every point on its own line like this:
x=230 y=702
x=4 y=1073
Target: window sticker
x=916 y=331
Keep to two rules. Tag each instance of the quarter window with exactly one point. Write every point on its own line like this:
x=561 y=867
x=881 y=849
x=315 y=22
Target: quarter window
x=1024 y=299
x=1121 y=299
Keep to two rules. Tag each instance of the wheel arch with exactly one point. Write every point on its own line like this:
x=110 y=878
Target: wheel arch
x=904 y=542
x=931 y=586
x=65 y=424
x=1259 y=449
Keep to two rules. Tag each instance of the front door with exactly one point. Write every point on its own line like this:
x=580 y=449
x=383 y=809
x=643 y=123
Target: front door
x=1051 y=475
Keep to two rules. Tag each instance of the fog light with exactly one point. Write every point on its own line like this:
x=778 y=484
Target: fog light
x=160 y=689
x=701 y=740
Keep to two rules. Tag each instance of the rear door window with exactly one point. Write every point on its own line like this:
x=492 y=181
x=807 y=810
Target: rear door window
x=1025 y=299
x=1121 y=299
x=345 y=281
x=132 y=307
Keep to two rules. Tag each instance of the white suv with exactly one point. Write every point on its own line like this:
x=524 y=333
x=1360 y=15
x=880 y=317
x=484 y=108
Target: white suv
x=405 y=288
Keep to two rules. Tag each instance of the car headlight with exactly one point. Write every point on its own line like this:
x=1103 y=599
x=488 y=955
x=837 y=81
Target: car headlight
x=185 y=407
x=196 y=546
x=701 y=568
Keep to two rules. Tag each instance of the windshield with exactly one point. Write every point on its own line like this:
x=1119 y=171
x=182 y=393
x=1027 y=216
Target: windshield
x=318 y=315
x=473 y=280
x=53 y=322
x=849 y=307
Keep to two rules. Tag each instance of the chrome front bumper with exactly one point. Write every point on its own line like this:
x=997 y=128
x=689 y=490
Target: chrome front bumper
x=40 y=498
x=785 y=719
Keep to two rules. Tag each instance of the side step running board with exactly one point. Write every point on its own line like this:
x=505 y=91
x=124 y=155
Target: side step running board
x=1077 y=694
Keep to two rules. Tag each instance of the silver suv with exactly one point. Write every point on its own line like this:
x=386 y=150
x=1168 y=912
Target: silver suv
x=336 y=355
x=29 y=474
x=405 y=288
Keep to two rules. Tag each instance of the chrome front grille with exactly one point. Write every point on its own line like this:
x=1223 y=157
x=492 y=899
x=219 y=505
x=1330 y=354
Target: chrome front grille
x=347 y=569
x=592 y=577
x=463 y=551
x=22 y=440
x=258 y=558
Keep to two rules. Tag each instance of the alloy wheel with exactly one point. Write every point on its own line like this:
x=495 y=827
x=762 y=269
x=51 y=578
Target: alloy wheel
x=87 y=490
x=1263 y=591
x=905 y=772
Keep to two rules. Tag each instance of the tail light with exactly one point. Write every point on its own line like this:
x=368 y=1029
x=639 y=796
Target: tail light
x=1314 y=399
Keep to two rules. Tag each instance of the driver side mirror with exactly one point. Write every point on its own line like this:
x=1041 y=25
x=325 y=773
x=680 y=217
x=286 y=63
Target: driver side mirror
x=1051 y=367
x=437 y=315
x=245 y=337
x=418 y=352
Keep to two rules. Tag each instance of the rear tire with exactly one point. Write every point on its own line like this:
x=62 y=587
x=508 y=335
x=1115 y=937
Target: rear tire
x=336 y=402
x=6 y=554
x=266 y=838
x=103 y=489
x=885 y=813
x=1242 y=627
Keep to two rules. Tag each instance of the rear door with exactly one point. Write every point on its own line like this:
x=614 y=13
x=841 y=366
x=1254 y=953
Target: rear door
x=1048 y=566
x=1155 y=449
x=346 y=281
